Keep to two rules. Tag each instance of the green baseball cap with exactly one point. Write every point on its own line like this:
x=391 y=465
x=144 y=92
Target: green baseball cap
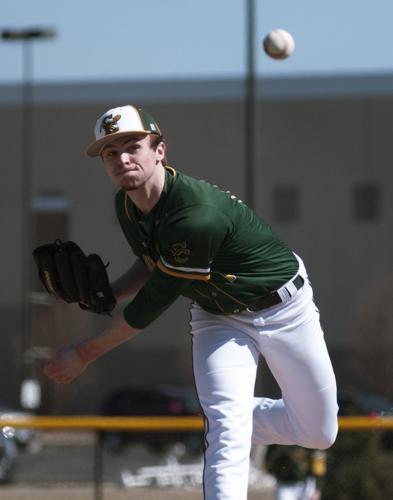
x=120 y=122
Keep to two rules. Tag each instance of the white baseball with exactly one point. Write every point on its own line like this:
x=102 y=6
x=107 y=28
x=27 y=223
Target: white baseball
x=279 y=44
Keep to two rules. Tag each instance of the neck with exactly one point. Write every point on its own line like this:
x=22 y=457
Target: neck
x=147 y=196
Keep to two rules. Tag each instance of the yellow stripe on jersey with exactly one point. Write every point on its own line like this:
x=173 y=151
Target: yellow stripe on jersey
x=171 y=170
x=126 y=206
x=178 y=274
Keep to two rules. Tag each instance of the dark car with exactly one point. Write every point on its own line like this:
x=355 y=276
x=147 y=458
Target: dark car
x=163 y=401
x=352 y=401
x=355 y=402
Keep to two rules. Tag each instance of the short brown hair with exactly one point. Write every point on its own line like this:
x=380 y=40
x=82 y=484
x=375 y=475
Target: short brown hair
x=155 y=140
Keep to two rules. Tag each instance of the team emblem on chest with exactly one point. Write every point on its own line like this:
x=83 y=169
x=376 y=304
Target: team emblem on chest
x=180 y=252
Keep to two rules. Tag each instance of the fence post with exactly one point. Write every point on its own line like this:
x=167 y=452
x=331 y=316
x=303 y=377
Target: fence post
x=98 y=466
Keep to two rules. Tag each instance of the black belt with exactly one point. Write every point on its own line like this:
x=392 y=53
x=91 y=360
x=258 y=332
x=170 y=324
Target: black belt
x=273 y=298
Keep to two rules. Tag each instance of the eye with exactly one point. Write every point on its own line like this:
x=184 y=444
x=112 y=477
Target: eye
x=109 y=153
x=132 y=148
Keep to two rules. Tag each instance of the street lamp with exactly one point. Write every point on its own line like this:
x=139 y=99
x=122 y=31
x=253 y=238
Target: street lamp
x=250 y=135
x=249 y=105
x=26 y=36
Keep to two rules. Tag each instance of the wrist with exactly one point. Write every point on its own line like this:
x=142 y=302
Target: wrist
x=119 y=293
x=86 y=351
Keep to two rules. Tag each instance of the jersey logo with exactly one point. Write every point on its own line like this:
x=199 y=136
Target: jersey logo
x=180 y=252
x=109 y=124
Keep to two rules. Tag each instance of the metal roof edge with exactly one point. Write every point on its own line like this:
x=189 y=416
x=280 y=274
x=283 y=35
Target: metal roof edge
x=195 y=90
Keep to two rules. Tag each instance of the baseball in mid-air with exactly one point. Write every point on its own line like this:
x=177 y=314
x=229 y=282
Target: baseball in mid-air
x=278 y=44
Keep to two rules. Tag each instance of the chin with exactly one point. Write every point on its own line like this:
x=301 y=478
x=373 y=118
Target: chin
x=130 y=187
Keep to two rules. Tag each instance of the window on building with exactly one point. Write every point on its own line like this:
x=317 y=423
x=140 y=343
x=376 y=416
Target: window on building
x=50 y=219
x=286 y=203
x=366 y=202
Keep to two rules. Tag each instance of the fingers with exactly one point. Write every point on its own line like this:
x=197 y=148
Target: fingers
x=61 y=369
x=62 y=379
x=56 y=372
x=66 y=366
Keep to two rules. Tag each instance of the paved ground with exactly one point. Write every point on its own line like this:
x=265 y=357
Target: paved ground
x=68 y=465
x=109 y=493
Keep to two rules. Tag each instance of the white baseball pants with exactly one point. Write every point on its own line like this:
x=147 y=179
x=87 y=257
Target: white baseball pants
x=303 y=490
x=225 y=357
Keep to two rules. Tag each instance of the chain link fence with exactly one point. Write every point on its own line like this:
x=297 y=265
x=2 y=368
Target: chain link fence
x=70 y=454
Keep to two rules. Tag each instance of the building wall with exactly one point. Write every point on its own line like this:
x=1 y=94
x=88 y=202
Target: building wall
x=319 y=146
x=326 y=148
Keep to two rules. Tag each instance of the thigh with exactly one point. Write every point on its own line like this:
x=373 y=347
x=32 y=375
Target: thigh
x=224 y=362
x=299 y=361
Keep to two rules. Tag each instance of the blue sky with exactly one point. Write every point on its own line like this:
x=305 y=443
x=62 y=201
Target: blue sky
x=126 y=39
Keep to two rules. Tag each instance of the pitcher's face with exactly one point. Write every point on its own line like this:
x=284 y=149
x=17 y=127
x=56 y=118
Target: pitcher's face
x=131 y=161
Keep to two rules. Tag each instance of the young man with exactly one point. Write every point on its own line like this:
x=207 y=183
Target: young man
x=250 y=294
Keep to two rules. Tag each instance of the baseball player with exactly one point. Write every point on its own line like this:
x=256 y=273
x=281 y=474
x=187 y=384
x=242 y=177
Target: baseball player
x=298 y=471
x=250 y=295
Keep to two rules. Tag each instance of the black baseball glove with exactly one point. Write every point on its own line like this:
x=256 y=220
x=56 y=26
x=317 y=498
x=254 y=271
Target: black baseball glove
x=69 y=274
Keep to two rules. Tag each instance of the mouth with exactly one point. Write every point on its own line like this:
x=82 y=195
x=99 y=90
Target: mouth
x=126 y=171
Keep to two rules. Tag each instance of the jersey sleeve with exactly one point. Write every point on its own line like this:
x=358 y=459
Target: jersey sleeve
x=189 y=241
x=158 y=293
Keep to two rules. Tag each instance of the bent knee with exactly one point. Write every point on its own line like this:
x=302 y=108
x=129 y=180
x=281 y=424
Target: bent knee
x=320 y=440
x=324 y=442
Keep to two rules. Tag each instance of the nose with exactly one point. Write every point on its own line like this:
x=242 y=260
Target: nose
x=124 y=158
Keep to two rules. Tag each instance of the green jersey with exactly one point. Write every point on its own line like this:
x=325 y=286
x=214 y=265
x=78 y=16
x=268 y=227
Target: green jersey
x=290 y=464
x=202 y=243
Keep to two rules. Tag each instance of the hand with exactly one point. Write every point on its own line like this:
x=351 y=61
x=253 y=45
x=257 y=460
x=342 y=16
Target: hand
x=66 y=366
x=70 y=362
x=316 y=495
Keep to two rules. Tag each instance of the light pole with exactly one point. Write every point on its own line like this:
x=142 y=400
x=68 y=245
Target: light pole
x=249 y=105
x=26 y=36
x=250 y=136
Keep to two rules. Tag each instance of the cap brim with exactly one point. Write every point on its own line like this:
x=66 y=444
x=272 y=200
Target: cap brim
x=95 y=148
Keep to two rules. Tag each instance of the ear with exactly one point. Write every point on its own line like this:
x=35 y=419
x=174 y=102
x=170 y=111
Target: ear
x=161 y=151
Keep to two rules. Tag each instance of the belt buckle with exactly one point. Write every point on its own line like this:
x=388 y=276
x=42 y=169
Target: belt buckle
x=262 y=307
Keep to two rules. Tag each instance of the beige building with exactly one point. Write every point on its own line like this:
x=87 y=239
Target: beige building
x=323 y=179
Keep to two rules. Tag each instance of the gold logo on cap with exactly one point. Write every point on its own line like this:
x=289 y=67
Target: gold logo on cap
x=109 y=124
